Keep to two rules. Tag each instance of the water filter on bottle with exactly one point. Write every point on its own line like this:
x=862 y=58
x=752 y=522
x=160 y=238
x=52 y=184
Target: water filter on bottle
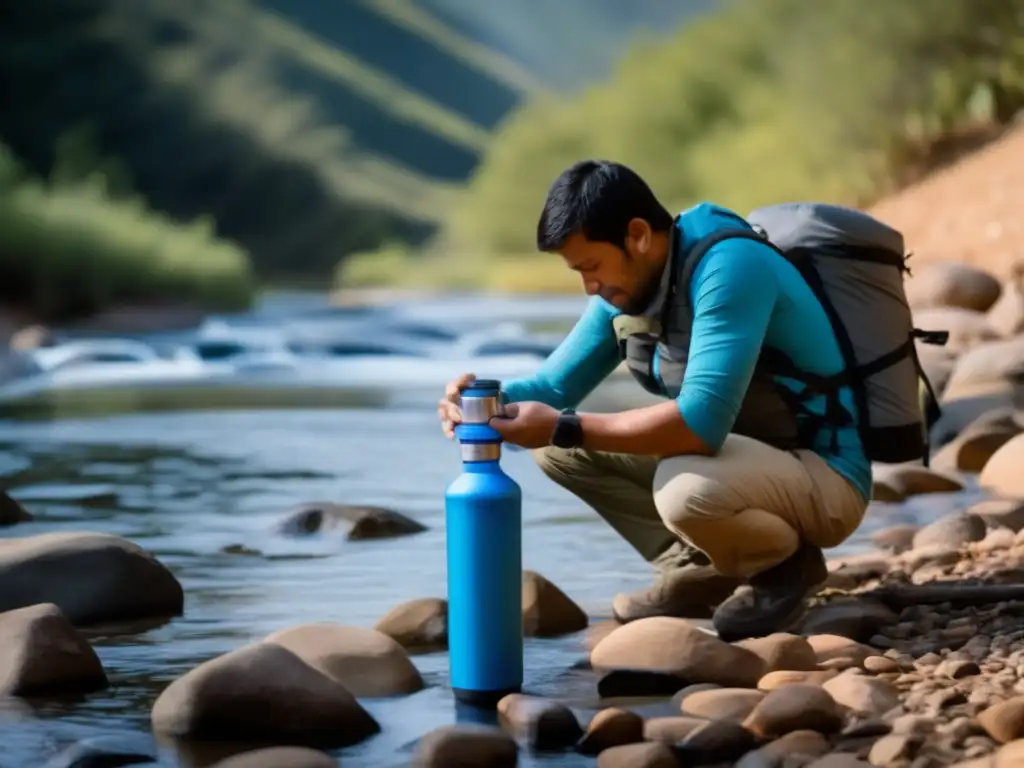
x=483 y=510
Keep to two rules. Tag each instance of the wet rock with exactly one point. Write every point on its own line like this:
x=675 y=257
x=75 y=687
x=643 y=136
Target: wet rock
x=547 y=610
x=11 y=512
x=540 y=723
x=125 y=581
x=881 y=665
x=1004 y=722
x=838 y=760
x=828 y=647
x=856 y=618
x=680 y=696
x=958 y=413
x=950 y=532
x=266 y=689
x=279 y=757
x=468 y=745
x=896 y=482
x=365 y=661
x=948 y=283
x=597 y=632
x=665 y=644
x=649 y=755
x=1002 y=474
x=782 y=677
x=895 y=538
x=629 y=682
x=967 y=327
x=42 y=653
x=361 y=522
x=671 y=730
x=718 y=741
x=794 y=707
x=1000 y=513
x=782 y=650
x=611 y=727
x=419 y=625
x=794 y=745
x=106 y=752
x=864 y=695
x=722 y=704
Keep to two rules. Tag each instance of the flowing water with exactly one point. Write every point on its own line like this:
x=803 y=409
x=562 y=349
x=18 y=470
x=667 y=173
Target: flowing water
x=190 y=484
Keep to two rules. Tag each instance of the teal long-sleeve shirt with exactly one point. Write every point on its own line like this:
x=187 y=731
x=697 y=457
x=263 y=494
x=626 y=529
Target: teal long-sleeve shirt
x=744 y=295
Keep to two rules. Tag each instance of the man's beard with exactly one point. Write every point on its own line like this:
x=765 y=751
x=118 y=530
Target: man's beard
x=639 y=302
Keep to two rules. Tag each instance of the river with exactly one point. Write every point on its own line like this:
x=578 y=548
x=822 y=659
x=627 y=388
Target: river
x=190 y=484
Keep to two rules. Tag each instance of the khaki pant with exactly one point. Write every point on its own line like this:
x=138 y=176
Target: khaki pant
x=746 y=508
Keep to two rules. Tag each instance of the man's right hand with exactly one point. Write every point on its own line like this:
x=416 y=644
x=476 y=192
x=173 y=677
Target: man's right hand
x=448 y=406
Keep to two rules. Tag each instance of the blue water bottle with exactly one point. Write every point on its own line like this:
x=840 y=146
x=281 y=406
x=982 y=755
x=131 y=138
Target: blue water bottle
x=483 y=510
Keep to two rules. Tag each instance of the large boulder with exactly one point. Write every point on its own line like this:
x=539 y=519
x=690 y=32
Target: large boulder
x=1002 y=473
x=11 y=512
x=91 y=577
x=359 y=522
x=944 y=283
x=262 y=689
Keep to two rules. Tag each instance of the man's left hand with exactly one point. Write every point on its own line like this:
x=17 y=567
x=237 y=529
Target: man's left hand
x=528 y=425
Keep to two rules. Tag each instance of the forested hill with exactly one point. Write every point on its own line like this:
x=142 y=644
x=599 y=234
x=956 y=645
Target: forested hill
x=307 y=129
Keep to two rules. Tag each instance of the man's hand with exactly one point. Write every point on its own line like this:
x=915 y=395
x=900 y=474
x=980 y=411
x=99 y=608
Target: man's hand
x=528 y=425
x=448 y=406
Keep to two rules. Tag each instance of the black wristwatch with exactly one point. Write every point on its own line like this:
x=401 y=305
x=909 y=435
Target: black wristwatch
x=568 y=432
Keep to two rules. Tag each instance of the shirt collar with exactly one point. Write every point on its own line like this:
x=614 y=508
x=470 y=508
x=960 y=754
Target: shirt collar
x=658 y=302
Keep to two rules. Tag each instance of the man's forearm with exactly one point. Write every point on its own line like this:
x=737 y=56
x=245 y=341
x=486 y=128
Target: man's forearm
x=656 y=430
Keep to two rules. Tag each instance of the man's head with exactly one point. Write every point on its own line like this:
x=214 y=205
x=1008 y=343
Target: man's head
x=606 y=223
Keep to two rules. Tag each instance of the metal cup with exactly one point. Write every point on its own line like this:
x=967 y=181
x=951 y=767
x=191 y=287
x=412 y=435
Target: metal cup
x=480 y=401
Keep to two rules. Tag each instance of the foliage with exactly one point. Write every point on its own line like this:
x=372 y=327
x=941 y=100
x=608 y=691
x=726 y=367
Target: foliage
x=761 y=101
x=77 y=244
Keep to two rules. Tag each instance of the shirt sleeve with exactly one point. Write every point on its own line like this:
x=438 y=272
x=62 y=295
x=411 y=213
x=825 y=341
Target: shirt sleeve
x=734 y=292
x=584 y=358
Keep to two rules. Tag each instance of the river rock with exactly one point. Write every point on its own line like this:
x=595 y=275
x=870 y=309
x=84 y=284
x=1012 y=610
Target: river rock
x=11 y=512
x=361 y=521
x=124 y=581
x=717 y=741
x=857 y=618
x=279 y=757
x=266 y=689
x=649 y=755
x=783 y=677
x=547 y=610
x=896 y=538
x=542 y=724
x=665 y=644
x=42 y=653
x=864 y=695
x=638 y=682
x=1002 y=474
x=986 y=369
x=897 y=482
x=466 y=745
x=950 y=532
x=1000 y=513
x=1006 y=316
x=107 y=752
x=419 y=625
x=782 y=650
x=795 y=745
x=611 y=727
x=671 y=730
x=365 y=661
x=829 y=647
x=966 y=327
x=722 y=703
x=794 y=707
x=959 y=413
x=946 y=283
x=974 y=446
x=1004 y=722
x=838 y=760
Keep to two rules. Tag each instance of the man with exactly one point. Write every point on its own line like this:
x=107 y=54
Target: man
x=708 y=503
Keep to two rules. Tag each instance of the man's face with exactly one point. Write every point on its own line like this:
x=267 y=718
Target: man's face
x=627 y=279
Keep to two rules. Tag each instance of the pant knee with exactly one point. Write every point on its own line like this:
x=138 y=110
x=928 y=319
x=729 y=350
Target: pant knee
x=554 y=462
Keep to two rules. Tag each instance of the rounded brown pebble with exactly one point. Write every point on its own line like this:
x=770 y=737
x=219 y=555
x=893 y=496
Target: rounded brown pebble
x=879 y=664
x=1004 y=722
x=794 y=708
x=611 y=727
x=649 y=755
x=279 y=757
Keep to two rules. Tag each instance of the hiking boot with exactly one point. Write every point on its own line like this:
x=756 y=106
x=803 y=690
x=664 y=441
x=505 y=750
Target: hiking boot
x=775 y=599
x=687 y=587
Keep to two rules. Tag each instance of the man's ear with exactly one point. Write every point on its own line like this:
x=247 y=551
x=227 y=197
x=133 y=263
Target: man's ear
x=640 y=234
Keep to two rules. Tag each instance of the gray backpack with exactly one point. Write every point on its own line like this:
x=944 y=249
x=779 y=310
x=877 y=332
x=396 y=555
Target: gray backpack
x=855 y=265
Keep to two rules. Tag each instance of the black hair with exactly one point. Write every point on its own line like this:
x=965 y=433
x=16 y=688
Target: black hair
x=597 y=199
